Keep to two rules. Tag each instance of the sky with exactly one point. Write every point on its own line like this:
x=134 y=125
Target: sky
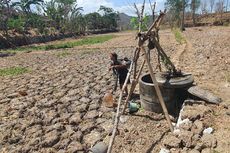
x=122 y=6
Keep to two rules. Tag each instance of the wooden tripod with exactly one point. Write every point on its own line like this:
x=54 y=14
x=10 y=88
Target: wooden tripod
x=152 y=34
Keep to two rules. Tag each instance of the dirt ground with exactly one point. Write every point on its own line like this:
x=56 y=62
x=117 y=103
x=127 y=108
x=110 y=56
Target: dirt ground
x=63 y=112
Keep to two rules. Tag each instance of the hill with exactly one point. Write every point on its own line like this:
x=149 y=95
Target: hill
x=124 y=20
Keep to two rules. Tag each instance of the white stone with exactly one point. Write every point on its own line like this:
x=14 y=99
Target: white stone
x=208 y=130
x=163 y=150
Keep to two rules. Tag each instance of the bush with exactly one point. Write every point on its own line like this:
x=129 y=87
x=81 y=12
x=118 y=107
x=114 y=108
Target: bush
x=16 y=23
x=178 y=35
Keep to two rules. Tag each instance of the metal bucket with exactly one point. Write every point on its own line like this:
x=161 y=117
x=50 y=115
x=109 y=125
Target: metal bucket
x=149 y=98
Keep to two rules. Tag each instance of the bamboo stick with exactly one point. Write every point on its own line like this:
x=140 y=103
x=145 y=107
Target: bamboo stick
x=118 y=110
x=156 y=86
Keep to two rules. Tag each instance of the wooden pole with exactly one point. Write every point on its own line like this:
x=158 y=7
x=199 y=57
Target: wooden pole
x=153 y=10
x=118 y=111
x=133 y=86
x=155 y=23
x=157 y=88
x=135 y=58
x=163 y=54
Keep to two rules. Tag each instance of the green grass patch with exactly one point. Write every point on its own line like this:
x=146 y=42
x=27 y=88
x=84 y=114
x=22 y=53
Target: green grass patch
x=84 y=41
x=178 y=35
x=13 y=71
x=63 y=54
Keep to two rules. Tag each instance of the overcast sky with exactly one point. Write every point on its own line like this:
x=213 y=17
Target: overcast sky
x=123 y=6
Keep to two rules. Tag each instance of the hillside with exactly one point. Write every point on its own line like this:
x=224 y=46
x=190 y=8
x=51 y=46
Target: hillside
x=124 y=20
x=209 y=19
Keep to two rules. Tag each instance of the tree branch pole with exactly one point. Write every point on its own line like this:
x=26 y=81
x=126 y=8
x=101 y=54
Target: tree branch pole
x=154 y=8
x=157 y=88
x=163 y=54
x=141 y=17
x=154 y=23
x=135 y=58
x=118 y=111
x=133 y=86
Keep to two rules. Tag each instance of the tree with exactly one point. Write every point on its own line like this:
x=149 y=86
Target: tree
x=109 y=18
x=204 y=6
x=194 y=6
x=94 y=21
x=25 y=6
x=62 y=13
x=134 y=23
x=220 y=8
x=175 y=8
x=182 y=28
x=6 y=12
x=212 y=3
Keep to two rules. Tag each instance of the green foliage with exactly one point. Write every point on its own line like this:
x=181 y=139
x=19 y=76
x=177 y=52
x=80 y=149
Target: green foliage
x=109 y=18
x=85 y=41
x=64 y=14
x=196 y=5
x=134 y=22
x=174 y=8
x=13 y=71
x=178 y=35
x=106 y=21
x=16 y=23
x=52 y=17
x=58 y=46
x=94 y=21
x=25 y=5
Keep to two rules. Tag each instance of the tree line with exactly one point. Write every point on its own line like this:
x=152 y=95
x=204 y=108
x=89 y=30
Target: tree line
x=178 y=8
x=54 y=16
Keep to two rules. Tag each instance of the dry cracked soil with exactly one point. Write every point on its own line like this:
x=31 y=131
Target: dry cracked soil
x=57 y=105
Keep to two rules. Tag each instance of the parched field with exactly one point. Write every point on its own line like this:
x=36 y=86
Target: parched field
x=55 y=105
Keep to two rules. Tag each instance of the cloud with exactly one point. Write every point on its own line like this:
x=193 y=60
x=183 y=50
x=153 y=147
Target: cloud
x=93 y=5
x=90 y=6
x=130 y=10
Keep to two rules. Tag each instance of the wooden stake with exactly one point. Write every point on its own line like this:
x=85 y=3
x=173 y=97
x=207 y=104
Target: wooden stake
x=157 y=88
x=118 y=110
